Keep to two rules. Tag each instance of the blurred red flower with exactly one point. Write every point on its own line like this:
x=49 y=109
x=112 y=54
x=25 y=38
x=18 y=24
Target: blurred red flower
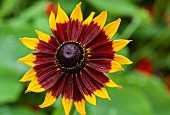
x=51 y=7
x=144 y=65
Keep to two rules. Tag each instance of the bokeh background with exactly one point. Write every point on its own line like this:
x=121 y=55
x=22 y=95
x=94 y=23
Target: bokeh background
x=146 y=82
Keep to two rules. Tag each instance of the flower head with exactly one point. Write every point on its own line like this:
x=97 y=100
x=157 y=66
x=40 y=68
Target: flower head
x=73 y=60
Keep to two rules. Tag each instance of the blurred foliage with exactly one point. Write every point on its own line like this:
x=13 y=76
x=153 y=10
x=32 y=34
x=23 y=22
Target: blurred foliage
x=146 y=22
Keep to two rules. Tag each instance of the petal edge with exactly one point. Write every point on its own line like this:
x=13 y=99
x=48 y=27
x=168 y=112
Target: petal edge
x=112 y=28
x=77 y=14
x=121 y=59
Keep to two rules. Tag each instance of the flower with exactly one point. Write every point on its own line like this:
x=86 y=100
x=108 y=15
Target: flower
x=72 y=62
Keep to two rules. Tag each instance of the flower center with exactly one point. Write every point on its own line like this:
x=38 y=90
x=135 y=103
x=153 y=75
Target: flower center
x=71 y=57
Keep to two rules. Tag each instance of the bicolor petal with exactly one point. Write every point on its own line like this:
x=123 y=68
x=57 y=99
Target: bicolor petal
x=34 y=86
x=31 y=43
x=100 y=19
x=28 y=60
x=115 y=66
x=88 y=95
x=89 y=19
x=67 y=103
x=53 y=93
x=52 y=21
x=77 y=14
x=91 y=99
x=94 y=28
x=42 y=36
x=102 y=93
x=80 y=106
x=61 y=16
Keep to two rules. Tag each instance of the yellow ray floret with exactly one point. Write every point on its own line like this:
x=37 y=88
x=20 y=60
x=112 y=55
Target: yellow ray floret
x=49 y=100
x=90 y=98
x=30 y=42
x=119 y=44
x=102 y=93
x=80 y=106
x=89 y=19
x=110 y=83
x=121 y=59
x=61 y=16
x=34 y=86
x=42 y=36
x=67 y=103
x=28 y=60
x=28 y=76
x=115 y=66
x=100 y=19
x=112 y=28
x=77 y=14
x=52 y=22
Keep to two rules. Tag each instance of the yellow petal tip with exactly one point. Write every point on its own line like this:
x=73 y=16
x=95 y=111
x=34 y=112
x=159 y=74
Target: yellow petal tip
x=91 y=99
x=120 y=87
x=19 y=60
x=101 y=19
x=40 y=106
x=79 y=3
x=115 y=67
x=37 y=31
x=108 y=98
x=120 y=44
x=21 y=80
x=27 y=91
x=110 y=83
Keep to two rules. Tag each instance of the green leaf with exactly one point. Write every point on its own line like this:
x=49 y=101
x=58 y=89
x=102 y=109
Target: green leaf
x=10 y=110
x=10 y=88
x=116 y=7
x=152 y=88
x=129 y=101
x=8 y=6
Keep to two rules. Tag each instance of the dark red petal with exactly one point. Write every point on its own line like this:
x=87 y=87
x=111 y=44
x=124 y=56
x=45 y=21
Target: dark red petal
x=101 y=64
x=89 y=33
x=84 y=27
x=45 y=48
x=104 y=47
x=97 y=55
x=91 y=84
x=81 y=86
x=58 y=87
x=42 y=58
x=77 y=96
x=100 y=39
x=54 y=42
x=74 y=29
x=61 y=32
x=102 y=51
x=98 y=76
x=42 y=67
x=48 y=76
x=68 y=87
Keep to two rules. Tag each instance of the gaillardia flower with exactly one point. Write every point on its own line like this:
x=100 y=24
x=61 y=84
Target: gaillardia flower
x=73 y=60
